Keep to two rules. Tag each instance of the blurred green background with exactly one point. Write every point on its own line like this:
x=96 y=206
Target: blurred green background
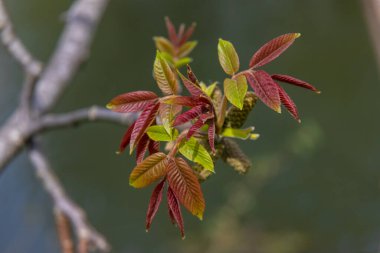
x=314 y=186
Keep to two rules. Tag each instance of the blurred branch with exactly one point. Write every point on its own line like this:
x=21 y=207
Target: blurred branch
x=65 y=206
x=372 y=14
x=14 y=45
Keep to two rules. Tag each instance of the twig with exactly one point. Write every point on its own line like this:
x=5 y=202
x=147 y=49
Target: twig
x=14 y=45
x=372 y=14
x=72 y=50
x=64 y=231
x=84 y=231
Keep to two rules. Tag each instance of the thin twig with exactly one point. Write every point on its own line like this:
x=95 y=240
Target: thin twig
x=15 y=47
x=64 y=231
x=372 y=14
x=84 y=231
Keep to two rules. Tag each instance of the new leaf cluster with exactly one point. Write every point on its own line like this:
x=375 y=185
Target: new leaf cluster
x=197 y=128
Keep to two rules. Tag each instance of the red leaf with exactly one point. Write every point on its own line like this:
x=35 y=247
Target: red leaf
x=181 y=100
x=154 y=147
x=171 y=31
x=272 y=49
x=295 y=81
x=288 y=103
x=265 y=88
x=198 y=124
x=145 y=119
x=194 y=89
x=141 y=148
x=188 y=115
x=191 y=75
x=185 y=185
x=126 y=138
x=154 y=203
x=132 y=101
x=211 y=134
x=187 y=34
x=175 y=211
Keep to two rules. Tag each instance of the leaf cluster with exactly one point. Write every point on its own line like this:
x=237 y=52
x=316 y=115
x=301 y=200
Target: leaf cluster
x=197 y=128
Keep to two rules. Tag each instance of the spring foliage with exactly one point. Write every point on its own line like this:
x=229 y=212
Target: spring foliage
x=198 y=128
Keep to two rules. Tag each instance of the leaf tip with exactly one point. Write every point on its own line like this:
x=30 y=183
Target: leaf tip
x=297 y=35
x=318 y=92
x=110 y=106
x=183 y=237
x=299 y=121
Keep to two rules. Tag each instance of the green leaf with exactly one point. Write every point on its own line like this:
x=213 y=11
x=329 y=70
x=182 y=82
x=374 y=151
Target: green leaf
x=235 y=90
x=159 y=133
x=208 y=89
x=228 y=58
x=240 y=133
x=182 y=62
x=192 y=150
x=164 y=45
x=186 y=48
x=164 y=75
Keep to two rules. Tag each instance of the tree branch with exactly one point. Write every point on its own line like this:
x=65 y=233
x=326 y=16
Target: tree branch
x=72 y=50
x=15 y=47
x=64 y=205
x=372 y=14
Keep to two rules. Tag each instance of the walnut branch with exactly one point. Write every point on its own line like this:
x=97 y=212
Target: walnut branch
x=371 y=10
x=64 y=205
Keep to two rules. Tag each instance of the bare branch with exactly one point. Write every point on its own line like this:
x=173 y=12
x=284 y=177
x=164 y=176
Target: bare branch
x=92 y=114
x=14 y=45
x=64 y=231
x=71 y=51
x=84 y=231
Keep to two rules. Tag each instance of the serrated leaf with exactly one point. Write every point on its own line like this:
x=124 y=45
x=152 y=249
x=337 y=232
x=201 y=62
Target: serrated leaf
x=272 y=49
x=265 y=88
x=171 y=31
x=188 y=115
x=132 y=101
x=295 y=81
x=192 y=77
x=141 y=148
x=148 y=171
x=235 y=90
x=181 y=100
x=228 y=58
x=211 y=135
x=145 y=119
x=186 y=187
x=126 y=138
x=154 y=204
x=194 y=89
x=159 y=133
x=175 y=211
x=154 y=147
x=243 y=134
x=187 y=34
x=167 y=113
x=164 y=76
x=186 y=48
x=164 y=45
x=194 y=151
x=198 y=124
x=288 y=103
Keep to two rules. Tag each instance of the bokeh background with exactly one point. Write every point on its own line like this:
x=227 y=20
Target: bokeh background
x=314 y=186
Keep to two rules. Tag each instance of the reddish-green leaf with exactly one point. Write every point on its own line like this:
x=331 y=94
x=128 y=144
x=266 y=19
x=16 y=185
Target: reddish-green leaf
x=188 y=115
x=288 y=103
x=194 y=151
x=126 y=138
x=191 y=75
x=154 y=204
x=186 y=187
x=228 y=58
x=295 y=81
x=181 y=100
x=186 y=48
x=154 y=147
x=175 y=211
x=265 y=88
x=164 y=75
x=141 y=148
x=198 y=124
x=164 y=45
x=221 y=113
x=272 y=49
x=132 y=101
x=194 y=89
x=171 y=30
x=145 y=119
x=235 y=90
x=211 y=134
x=151 y=169
x=187 y=34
